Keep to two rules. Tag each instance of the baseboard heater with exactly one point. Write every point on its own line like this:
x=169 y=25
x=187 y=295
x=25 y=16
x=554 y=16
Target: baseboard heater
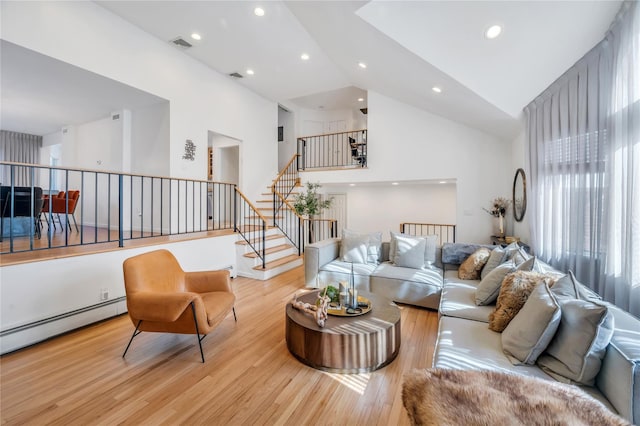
x=60 y=316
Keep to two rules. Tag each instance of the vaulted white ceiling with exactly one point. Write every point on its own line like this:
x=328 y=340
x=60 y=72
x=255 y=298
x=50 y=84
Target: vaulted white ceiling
x=408 y=46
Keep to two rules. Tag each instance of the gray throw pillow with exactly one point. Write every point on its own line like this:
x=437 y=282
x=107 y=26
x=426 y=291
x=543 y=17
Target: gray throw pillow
x=430 y=249
x=410 y=252
x=565 y=288
x=430 y=246
x=489 y=287
x=531 y=330
x=532 y=265
x=496 y=258
x=374 y=249
x=576 y=351
x=354 y=249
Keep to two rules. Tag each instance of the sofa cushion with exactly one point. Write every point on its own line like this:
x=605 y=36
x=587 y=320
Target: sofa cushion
x=471 y=267
x=431 y=243
x=409 y=252
x=575 y=353
x=420 y=287
x=337 y=271
x=470 y=345
x=459 y=300
x=514 y=292
x=489 y=287
x=619 y=376
x=456 y=253
x=496 y=257
x=354 y=248
x=374 y=249
x=531 y=330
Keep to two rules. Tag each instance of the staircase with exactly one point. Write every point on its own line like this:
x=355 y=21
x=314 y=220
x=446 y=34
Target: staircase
x=281 y=255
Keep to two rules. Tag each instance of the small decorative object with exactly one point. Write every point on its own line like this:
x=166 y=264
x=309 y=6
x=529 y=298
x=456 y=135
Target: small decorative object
x=498 y=210
x=319 y=310
x=189 y=150
x=353 y=297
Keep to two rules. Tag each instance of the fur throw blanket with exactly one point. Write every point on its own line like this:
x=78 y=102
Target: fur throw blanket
x=460 y=397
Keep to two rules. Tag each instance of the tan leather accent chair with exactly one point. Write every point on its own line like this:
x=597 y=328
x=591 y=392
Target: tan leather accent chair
x=161 y=297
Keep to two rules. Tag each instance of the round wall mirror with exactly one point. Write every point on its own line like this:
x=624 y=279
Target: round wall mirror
x=519 y=195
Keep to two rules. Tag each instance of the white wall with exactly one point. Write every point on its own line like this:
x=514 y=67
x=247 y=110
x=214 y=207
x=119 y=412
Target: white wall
x=200 y=99
x=352 y=119
x=382 y=207
x=521 y=229
x=409 y=144
x=289 y=146
x=150 y=140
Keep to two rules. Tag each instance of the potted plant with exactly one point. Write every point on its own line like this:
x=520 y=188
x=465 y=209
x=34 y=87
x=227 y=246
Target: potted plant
x=309 y=204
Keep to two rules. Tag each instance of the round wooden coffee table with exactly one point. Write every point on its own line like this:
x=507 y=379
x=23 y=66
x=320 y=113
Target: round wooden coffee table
x=346 y=344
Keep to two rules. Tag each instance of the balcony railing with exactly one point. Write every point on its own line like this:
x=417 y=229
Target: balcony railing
x=333 y=150
x=446 y=233
x=114 y=207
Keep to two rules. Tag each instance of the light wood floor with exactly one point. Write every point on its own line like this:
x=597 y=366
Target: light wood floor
x=249 y=376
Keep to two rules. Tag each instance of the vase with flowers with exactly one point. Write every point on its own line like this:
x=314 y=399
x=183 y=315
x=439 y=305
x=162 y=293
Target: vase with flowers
x=498 y=210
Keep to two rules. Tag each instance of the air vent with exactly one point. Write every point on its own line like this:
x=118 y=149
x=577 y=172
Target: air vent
x=236 y=75
x=181 y=43
x=363 y=110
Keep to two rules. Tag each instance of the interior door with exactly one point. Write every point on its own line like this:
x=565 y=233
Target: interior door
x=338 y=211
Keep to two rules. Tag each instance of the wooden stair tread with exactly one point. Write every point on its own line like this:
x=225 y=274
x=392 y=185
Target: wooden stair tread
x=270 y=250
x=278 y=262
x=267 y=238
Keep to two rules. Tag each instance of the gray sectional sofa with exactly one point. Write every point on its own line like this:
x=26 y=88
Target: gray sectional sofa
x=465 y=341
x=420 y=287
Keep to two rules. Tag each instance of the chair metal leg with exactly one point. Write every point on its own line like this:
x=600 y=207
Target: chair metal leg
x=135 y=333
x=73 y=216
x=195 y=321
x=234 y=314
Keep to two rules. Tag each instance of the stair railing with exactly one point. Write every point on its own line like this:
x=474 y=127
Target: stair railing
x=251 y=225
x=446 y=233
x=302 y=231
x=287 y=179
x=344 y=150
x=288 y=221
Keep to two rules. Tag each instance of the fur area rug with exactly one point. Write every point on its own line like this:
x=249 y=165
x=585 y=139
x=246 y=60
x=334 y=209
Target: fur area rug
x=460 y=397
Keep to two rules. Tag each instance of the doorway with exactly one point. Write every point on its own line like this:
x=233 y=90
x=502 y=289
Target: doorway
x=225 y=158
x=337 y=211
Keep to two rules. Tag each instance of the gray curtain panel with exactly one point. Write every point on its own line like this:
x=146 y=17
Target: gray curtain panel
x=19 y=148
x=583 y=140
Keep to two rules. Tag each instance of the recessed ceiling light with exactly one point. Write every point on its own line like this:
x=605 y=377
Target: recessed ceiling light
x=360 y=99
x=196 y=36
x=304 y=57
x=493 y=31
x=352 y=184
x=443 y=181
x=250 y=71
x=395 y=183
x=436 y=89
x=258 y=11
x=362 y=65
